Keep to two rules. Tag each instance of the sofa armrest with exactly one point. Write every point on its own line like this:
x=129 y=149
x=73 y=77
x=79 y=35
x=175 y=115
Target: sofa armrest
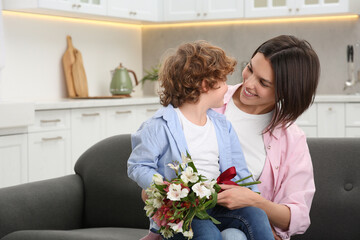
x=50 y=204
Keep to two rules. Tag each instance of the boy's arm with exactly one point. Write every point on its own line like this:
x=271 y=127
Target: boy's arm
x=142 y=163
x=238 y=158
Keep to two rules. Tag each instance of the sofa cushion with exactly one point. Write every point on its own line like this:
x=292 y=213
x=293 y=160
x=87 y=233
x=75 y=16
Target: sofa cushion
x=80 y=234
x=112 y=199
x=335 y=211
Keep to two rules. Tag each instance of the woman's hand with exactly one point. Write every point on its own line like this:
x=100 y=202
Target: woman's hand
x=233 y=197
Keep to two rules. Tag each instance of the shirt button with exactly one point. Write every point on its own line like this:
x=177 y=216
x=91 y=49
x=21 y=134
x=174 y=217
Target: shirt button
x=269 y=147
x=277 y=167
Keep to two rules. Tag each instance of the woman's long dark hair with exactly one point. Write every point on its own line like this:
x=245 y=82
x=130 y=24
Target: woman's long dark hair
x=296 y=69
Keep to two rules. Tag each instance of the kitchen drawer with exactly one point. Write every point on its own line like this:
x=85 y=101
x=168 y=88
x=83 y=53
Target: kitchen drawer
x=352 y=132
x=49 y=155
x=309 y=131
x=309 y=117
x=331 y=119
x=352 y=112
x=50 y=120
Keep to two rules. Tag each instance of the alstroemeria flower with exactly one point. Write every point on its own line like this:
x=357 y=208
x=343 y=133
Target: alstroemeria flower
x=176 y=193
x=158 y=179
x=210 y=185
x=167 y=233
x=189 y=233
x=185 y=160
x=177 y=227
x=201 y=190
x=189 y=175
x=149 y=208
x=174 y=167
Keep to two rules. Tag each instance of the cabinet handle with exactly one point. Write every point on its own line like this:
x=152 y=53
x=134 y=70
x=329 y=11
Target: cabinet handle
x=330 y=109
x=151 y=110
x=78 y=6
x=290 y=10
x=198 y=14
x=74 y=6
x=297 y=9
x=204 y=14
x=50 y=121
x=123 y=112
x=51 y=139
x=90 y=114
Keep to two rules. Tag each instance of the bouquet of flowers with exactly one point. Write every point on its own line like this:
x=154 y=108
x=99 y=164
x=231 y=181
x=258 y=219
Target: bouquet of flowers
x=173 y=204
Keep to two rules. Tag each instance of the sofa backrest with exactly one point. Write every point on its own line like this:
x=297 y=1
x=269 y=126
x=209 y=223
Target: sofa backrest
x=335 y=212
x=112 y=199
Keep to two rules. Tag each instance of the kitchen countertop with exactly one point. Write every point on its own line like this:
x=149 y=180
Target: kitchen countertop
x=85 y=103
x=337 y=98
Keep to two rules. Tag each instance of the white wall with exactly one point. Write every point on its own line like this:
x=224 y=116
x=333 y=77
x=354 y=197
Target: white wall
x=35 y=46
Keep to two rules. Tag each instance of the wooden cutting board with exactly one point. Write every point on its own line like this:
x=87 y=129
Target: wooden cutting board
x=68 y=60
x=79 y=76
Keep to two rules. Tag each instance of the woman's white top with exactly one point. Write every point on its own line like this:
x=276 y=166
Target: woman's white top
x=249 y=128
x=202 y=145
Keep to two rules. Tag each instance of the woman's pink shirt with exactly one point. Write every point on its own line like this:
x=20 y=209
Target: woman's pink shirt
x=287 y=177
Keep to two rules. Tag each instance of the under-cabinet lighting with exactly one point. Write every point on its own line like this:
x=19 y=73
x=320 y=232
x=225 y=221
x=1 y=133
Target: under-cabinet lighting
x=258 y=21
x=71 y=19
x=188 y=24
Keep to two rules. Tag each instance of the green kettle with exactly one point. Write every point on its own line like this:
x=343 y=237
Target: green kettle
x=121 y=82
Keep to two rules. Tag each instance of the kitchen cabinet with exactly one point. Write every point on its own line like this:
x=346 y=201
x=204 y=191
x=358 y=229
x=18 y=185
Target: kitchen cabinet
x=197 y=10
x=146 y=10
x=13 y=160
x=88 y=126
x=58 y=7
x=331 y=119
x=352 y=115
x=127 y=119
x=278 y=8
x=49 y=145
x=308 y=121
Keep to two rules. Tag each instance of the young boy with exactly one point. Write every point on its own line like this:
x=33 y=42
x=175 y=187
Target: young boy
x=194 y=81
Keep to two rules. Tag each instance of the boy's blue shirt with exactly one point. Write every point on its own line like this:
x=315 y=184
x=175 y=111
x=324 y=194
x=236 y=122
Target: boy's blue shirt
x=160 y=141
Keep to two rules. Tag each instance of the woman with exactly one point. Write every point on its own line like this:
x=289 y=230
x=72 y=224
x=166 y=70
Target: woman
x=279 y=84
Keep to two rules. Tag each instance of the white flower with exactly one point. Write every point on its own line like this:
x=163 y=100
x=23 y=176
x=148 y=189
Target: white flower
x=177 y=227
x=210 y=185
x=174 y=167
x=201 y=190
x=185 y=159
x=189 y=234
x=167 y=233
x=149 y=208
x=158 y=179
x=189 y=175
x=176 y=193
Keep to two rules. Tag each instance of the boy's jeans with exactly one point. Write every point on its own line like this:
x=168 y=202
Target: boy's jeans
x=250 y=220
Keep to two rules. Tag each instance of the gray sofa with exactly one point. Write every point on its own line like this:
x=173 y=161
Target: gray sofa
x=101 y=202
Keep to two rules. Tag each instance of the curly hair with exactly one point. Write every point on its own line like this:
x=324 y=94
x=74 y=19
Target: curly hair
x=181 y=74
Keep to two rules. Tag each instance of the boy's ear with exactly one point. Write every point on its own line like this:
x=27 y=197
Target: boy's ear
x=204 y=86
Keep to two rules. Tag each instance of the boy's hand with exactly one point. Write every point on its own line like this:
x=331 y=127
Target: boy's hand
x=143 y=195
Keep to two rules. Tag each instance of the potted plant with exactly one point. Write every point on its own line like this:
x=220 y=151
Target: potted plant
x=152 y=76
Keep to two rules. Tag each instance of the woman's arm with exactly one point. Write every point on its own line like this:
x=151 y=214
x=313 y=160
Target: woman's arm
x=237 y=197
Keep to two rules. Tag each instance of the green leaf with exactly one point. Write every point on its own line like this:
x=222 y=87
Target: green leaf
x=249 y=183
x=202 y=215
x=214 y=220
x=213 y=201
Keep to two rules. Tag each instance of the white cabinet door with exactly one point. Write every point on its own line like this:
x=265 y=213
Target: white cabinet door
x=128 y=119
x=269 y=8
x=88 y=126
x=147 y=10
x=49 y=154
x=308 y=121
x=224 y=9
x=182 y=10
x=322 y=6
x=331 y=119
x=13 y=160
x=195 y=10
x=97 y=7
